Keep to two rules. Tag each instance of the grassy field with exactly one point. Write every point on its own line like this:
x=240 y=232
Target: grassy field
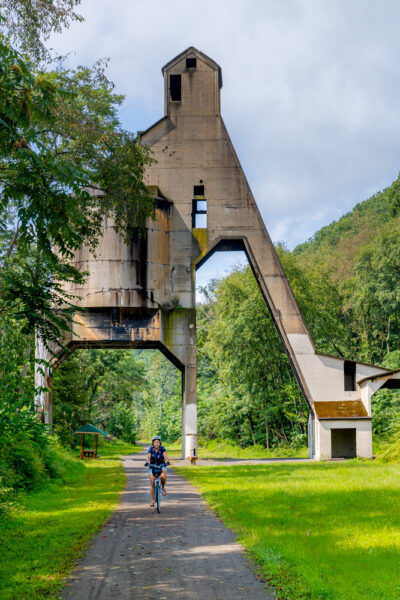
x=41 y=538
x=227 y=449
x=321 y=531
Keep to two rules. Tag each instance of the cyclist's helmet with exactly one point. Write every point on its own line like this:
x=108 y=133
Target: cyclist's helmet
x=156 y=437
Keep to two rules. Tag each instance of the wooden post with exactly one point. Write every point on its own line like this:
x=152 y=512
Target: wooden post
x=96 y=439
x=82 y=436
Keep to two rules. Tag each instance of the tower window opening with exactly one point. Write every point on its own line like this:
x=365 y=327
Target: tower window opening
x=198 y=190
x=175 y=88
x=349 y=368
x=199 y=208
x=191 y=63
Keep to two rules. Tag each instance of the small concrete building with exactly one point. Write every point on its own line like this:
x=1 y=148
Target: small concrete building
x=143 y=294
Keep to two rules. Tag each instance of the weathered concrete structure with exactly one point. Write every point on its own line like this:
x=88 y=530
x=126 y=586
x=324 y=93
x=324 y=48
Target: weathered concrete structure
x=143 y=295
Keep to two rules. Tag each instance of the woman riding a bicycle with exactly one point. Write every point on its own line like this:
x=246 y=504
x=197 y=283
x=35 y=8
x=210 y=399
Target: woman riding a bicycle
x=157 y=455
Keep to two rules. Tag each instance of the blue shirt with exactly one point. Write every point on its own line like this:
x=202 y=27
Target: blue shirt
x=157 y=456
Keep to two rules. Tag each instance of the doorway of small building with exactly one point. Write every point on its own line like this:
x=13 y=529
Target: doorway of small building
x=131 y=394
x=250 y=404
x=343 y=443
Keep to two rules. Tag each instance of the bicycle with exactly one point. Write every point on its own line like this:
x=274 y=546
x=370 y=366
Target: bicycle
x=156 y=471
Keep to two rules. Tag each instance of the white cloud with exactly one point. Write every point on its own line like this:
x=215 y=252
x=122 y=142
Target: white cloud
x=311 y=90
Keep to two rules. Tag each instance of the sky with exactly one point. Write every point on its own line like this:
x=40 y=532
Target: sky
x=310 y=97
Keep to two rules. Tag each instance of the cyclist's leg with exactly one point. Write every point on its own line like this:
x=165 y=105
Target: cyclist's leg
x=152 y=482
x=163 y=479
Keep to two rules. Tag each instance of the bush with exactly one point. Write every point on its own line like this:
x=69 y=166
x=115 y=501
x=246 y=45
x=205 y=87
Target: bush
x=385 y=412
x=24 y=466
x=29 y=456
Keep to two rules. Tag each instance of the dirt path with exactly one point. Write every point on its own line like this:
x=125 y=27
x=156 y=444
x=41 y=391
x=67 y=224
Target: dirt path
x=183 y=553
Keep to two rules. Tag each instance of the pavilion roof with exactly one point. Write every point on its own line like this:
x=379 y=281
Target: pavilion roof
x=91 y=429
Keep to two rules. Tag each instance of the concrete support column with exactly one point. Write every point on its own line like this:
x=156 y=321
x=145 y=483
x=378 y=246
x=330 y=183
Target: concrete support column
x=178 y=334
x=189 y=412
x=43 y=382
x=311 y=435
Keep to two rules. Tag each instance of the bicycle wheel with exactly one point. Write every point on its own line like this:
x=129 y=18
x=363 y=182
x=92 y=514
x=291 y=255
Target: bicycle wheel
x=157 y=495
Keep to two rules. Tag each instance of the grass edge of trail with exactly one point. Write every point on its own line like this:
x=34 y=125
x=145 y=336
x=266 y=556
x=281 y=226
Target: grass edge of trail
x=50 y=528
x=295 y=511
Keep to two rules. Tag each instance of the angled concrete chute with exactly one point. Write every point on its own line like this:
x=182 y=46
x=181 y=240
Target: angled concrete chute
x=143 y=294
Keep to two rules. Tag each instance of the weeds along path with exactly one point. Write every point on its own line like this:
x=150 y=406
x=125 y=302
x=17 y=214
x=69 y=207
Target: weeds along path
x=184 y=553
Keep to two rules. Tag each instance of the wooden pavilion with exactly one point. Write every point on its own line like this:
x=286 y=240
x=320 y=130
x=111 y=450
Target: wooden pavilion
x=89 y=430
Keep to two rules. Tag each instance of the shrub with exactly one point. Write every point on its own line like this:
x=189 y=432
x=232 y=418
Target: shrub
x=29 y=456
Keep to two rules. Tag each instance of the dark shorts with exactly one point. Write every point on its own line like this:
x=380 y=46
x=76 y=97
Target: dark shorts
x=163 y=467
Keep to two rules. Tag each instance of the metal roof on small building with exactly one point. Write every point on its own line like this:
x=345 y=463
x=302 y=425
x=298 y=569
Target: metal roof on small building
x=346 y=409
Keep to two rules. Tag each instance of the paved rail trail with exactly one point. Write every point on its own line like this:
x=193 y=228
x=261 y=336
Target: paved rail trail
x=183 y=553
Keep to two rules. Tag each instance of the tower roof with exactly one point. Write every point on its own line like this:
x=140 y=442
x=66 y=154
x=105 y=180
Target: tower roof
x=200 y=55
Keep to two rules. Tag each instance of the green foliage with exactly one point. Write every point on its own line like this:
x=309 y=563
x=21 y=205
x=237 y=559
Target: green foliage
x=121 y=423
x=385 y=412
x=98 y=386
x=161 y=399
x=247 y=391
x=389 y=450
x=25 y=451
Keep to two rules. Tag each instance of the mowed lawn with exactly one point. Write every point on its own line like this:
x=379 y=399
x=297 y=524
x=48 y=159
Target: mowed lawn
x=44 y=535
x=325 y=531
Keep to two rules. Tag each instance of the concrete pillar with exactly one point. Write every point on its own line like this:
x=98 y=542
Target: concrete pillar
x=43 y=382
x=189 y=412
x=311 y=435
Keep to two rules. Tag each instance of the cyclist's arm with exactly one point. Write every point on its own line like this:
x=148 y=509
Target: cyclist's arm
x=148 y=458
x=166 y=457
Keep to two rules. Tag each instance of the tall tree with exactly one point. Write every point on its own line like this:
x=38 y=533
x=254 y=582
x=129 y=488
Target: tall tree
x=65 y=163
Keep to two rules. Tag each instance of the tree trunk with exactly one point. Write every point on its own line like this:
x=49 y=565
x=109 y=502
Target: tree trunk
x=388 y=337
x=266 y=433
x=251 y=423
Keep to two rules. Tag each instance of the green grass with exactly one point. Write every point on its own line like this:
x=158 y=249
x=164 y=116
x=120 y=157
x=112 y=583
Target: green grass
x=228 y=449
x=322 y=531
x=48 y=530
